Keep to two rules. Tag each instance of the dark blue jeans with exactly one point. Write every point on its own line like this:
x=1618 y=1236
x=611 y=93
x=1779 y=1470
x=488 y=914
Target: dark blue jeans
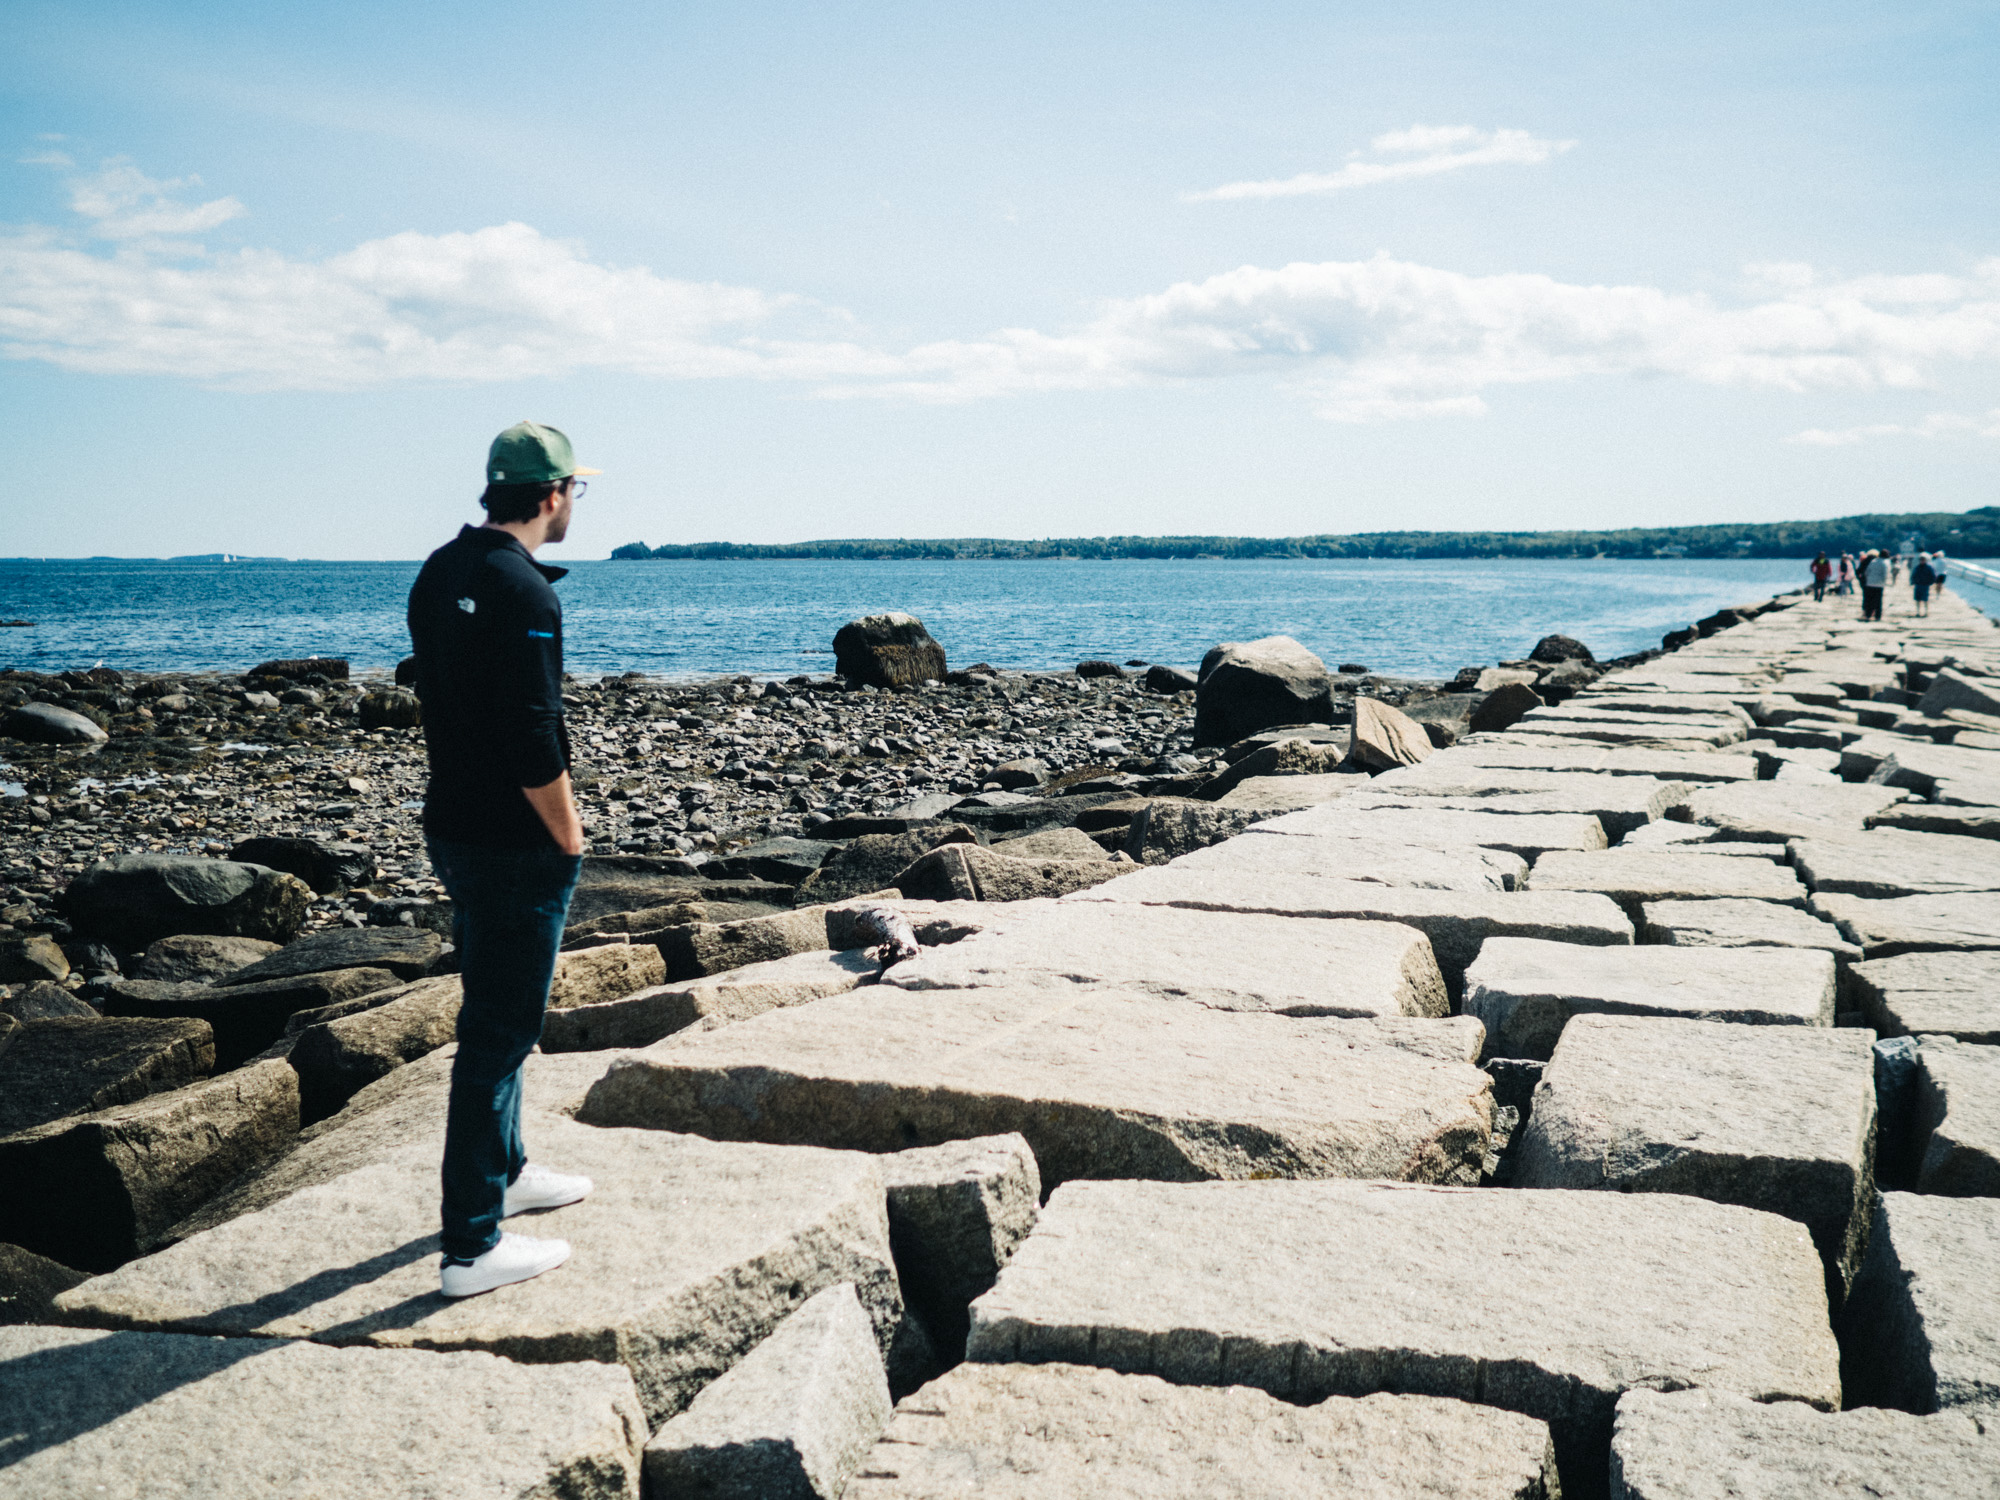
x=511 y=905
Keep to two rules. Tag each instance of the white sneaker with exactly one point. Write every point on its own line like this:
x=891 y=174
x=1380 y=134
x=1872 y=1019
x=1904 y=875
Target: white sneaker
x=538 y=1187
x=515 y=1258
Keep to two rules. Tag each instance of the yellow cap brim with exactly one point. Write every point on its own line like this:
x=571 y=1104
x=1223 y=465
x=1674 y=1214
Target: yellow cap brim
x=581 y=470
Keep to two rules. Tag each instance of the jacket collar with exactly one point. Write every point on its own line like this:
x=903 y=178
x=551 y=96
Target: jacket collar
x=491 y=538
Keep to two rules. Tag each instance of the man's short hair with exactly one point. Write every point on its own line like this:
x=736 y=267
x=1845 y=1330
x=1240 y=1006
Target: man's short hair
x=507 y=503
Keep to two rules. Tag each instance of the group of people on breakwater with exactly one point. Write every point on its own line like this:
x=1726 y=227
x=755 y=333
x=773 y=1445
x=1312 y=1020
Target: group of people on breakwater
x=1876 y=570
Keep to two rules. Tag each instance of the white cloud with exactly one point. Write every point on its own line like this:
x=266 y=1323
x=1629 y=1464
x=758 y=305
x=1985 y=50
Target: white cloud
x=1939 y=424
x=123 y=203
x=44 y=159
x=1420 y=151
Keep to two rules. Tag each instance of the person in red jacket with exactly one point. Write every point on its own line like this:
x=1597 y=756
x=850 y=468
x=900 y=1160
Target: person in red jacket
x=1822 y=570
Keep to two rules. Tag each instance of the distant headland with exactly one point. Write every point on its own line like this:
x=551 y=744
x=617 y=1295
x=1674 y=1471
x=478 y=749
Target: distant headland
x=1972 y=533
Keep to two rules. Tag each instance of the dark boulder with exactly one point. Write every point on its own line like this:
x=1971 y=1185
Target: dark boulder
x=130 y=900
x=196 y=958
x=46 y=724
x=64 y=1067
x=246 y=1018
x=1554 y=649
x=1018 y=775
x=333 y=668
x=1251 y=685
x=1164 y=679
x=1722 y=619
x=406 y=672
x=408 y=953
x=327 y=868
x=30 y=1284
x=1503 y=706
x=872 y=862
x=782 y=861
x=1673 y=640
x=44 y=1001
x=1099 y=669
x=887 y=650
x=26 y=957
x=394 y=709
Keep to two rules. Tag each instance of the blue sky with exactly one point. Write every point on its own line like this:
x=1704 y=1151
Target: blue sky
x=271 y=277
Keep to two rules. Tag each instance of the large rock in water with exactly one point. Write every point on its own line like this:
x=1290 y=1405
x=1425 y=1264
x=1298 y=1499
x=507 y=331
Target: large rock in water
x=1023 y=1432
x=46 y=724
x=887 y=650
x=1101 y=1083
x=130 y=900
x=1549 y=1304
x=132 y=1416
x=1252 y=685
x=1705 y=1445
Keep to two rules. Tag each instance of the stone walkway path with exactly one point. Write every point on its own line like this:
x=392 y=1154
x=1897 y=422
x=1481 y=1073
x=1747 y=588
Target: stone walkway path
x=1613 y=1097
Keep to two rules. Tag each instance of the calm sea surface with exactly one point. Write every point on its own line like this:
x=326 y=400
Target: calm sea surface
x=688 y=619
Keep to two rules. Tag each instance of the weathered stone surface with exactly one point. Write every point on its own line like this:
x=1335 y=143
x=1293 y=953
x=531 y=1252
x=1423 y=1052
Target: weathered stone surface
x=131 y=899
x=30 y=1284
x=131 y=1416
x=1505 y=704
x=791 y=1421
x=1950 y=994
x=390 y=709
x=407 y=952
x=1620 y=804
x=887 y=650
x=1651 y=731
x=1525 y=990
x=1282 y=794
x=1456 y=922
x=969 y=872
x=873 y=861
x=1922 y=1329
x=46 y=1001
x=687 y=1254
x=93 y=1190
x=46 y=724
x=1165 y=829
x=1915 y=924
x=1888 y=863
x=1958 y=1106
x=1023 y=1432
x=1529 y=835
x=1286 y=757
x=1775 y=811
x=64 y=1067
x=643 y=1018
x=1378 y=861
x=1949 y=690
x=595 y=976
x=326 y=867
x=956 y=1213
x=1101 y=1083
x=1922 y=766
x=1055 y=843
x=696 y=949
x=197 y=957
x=1227 y=960
x=26 y=957
x=1633 y=877
x=1386 y=737
x=335 y=1058
x=1708 y=1445
x=1386 y=1285
x=1251 y=685
x=246 y=1018
x=1780 y=1118
x=1928 y=817
x=1727 y=923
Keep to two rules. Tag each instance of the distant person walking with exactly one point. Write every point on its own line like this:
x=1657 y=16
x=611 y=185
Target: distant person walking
x=1846 y=584
x=1821 y=571
x=1874 y=579
x=503 y=834
x=1922 y=576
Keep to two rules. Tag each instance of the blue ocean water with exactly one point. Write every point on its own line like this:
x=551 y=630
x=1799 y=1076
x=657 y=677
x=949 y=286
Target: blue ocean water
x=691 y=619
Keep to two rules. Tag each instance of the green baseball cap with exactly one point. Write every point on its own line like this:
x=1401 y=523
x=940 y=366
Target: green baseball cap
x=529 y=453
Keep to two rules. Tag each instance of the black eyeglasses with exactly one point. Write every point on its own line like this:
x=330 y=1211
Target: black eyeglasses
x=577 y=487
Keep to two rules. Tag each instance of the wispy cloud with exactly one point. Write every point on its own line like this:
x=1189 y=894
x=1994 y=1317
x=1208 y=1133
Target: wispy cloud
x=1420 y=151
x=1939 y=424
x=44 y=159
x=123 y=203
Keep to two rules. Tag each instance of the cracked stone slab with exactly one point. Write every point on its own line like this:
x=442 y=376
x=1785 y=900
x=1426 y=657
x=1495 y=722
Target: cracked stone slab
x=792 y=1420
x=1620 y=804
x=1280 y=794
x=1922 y=1328
x=1101 y=1083
x=1634 y=877
x=1525 y=991
x=1463 y=867
x=1950 y=994
x=1729 y=923
x=1777 y=811
x=1456 y=922
x=1915 y=924
x=1709 y=1445
x=1528 y=834
x=1386 y=1286
x=1229 y=960
x=1779 y=1118
x=1928 y=817
x=640 y=1019
x=956 y=1214
x=134 y=1416
x=1888 y=863
x=1702 y=766
x=1025 y=1432
x=1958 y=1105
x=687 y=1253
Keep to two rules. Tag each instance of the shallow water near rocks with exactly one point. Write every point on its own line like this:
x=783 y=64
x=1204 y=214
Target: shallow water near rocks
x=774 y=619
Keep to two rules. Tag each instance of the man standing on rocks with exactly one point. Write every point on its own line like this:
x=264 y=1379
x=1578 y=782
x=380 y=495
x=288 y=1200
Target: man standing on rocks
x=503 y=834
x=1874 y=579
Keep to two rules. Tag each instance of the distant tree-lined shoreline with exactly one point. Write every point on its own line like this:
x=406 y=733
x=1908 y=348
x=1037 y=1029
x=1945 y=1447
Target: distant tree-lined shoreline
x=1973 y=533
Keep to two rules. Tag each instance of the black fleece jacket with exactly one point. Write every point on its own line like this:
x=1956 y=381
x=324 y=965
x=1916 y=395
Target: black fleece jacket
x=488 y=635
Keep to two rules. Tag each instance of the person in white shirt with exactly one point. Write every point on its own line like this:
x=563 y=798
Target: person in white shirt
x=1874 y=579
